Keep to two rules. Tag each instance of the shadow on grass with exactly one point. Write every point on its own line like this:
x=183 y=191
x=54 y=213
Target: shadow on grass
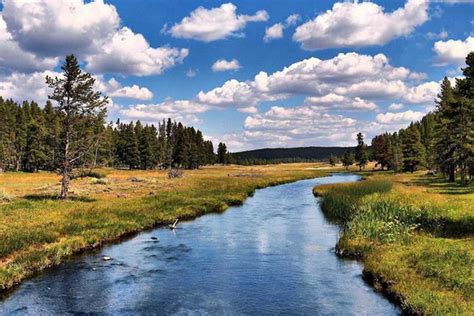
x=42 y=197
x=441 y=185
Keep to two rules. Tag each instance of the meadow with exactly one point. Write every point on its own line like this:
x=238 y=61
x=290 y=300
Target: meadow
x=414 y=234
x=38 y=230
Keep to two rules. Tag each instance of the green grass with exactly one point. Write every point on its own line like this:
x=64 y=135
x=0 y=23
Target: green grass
x=38 y=230
x=416 y=241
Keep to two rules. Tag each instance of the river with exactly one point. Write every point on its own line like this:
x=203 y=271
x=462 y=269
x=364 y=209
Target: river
x=272 y=255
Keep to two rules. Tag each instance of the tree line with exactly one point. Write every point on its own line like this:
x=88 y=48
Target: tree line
x=442 y=141
x=70 y=132
x=31 y=139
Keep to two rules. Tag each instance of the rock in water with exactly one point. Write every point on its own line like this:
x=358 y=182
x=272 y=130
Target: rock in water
x=105 y=258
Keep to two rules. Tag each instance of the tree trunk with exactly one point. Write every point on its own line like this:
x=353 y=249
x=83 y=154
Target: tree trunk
x=66 y=177
x=452 y=176
x=17 y=164
x=463 y=174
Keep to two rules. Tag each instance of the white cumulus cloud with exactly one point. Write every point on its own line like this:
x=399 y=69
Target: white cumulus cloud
x=60 y=27
x=132 y=92
x=214 y=24
x=276 y=30
x=348 y=75
x=400 y=117
x=453 y=51
x=21 y=86
x=226 y=65
x=334 y=101
x=129 y=53
x=354 y=24
x=180 y=110
x=14 y=58
x=42 y=31
x=273 y=32
x=396 y=106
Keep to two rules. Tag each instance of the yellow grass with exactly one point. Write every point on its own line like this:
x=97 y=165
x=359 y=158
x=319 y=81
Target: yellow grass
x=38 y=231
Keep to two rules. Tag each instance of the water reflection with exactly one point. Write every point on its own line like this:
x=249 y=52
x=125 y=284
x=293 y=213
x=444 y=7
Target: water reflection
x=273 y=255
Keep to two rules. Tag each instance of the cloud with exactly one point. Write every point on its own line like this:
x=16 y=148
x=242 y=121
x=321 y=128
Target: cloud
x=21 y=86
x=59 y=27
x=395 y=106
x=397 y=118
x=214 y=24
x=440 y=35
x=298 y=126
x=224 y=65
x=453 y=51
x=41 y=31
x=14 y=58
x=234 y=141
x=354 y=24
x=180 y=110
x=348 y=75
x=423 y=93
x=191 y=73
x=452 y=1
x=276 y=30
x=334 y=101
x=129 y=53
x=292 y=19
x=273 y=32
x=232 y=94
x=131 y=92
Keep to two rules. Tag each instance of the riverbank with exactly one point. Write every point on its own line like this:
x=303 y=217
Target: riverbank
x=415 y=236
x=39 y=231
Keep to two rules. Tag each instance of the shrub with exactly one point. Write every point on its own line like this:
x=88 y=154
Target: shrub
x=4 y=196
x=175 y=173
x=77 y=174
x=99 y=181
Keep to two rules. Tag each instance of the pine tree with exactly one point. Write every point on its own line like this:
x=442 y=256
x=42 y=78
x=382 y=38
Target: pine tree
x=131 y=149
x=380 y=150
x=78 y=103
x=413 y=149
x=427 y=130
x=461 y=123
x=221 y=153
x=444 y=141
x=35 y=153
x=210 y=155
x=395 y=154
x=361 y=152
x=332 y=160
x=347 y=159
x=52 y=140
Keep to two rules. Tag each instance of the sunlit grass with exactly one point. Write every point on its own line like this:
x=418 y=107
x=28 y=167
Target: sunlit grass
x=412 y=235
x=38 y=230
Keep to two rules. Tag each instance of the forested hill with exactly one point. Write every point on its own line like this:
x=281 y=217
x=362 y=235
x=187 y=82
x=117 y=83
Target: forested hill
x=288 y=154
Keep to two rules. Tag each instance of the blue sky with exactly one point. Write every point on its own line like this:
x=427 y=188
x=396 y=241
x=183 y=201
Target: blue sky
x=350 y=66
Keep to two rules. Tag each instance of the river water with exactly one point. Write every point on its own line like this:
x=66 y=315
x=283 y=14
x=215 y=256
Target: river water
x=273 y=255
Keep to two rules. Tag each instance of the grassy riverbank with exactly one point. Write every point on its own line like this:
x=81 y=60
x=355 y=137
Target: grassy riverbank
x=38 y=231
x=415 y=235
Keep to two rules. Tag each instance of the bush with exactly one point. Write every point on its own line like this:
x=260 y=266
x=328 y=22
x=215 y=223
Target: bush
x=4 y=196
x=77 y=174
x=99 y=181
x=175 y=173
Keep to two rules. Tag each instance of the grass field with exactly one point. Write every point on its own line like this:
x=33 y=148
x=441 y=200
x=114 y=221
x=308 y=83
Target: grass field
x=415 y=235
x=38 y=230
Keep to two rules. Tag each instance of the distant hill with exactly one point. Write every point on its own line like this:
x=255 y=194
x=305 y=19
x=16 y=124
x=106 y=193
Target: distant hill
x=288 y=154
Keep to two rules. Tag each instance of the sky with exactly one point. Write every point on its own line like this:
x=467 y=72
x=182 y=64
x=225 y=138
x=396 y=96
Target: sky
x=252 y=74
